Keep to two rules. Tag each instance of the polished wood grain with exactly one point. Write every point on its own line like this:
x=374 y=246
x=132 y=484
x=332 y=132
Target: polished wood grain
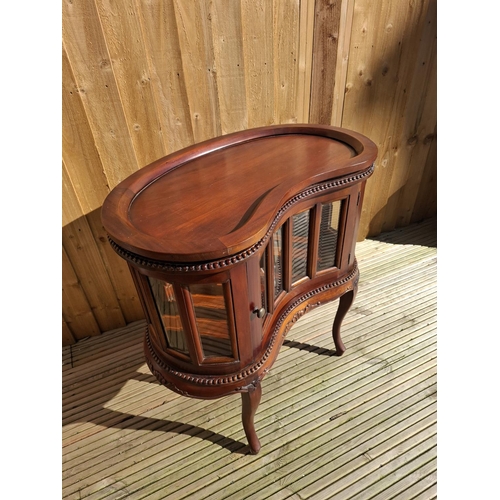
x=229 y=207
x=229 y=232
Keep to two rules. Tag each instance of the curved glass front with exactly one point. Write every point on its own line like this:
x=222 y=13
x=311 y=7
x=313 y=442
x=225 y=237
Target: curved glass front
x=300 y=244
x=211 y=312
x=166 y=305
x=328 y=235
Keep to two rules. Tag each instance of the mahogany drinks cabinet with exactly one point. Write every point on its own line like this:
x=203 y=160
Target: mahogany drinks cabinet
x=230 y=241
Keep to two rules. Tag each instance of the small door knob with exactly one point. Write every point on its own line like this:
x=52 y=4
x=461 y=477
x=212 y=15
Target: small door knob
x=260 y=312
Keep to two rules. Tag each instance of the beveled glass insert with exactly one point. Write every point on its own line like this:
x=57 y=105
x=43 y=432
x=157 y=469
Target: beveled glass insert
x=278 y=261
x=263 y=280
x=210 y=310
x=328 y=235
x=300 y=241
x=166 y=305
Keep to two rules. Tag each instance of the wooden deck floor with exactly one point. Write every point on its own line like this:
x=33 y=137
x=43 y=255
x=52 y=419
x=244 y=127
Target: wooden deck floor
x=362 y=426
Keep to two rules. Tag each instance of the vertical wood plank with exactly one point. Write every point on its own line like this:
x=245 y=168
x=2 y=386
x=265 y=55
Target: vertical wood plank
x=324 y=63
x=229 y=64
x=86 y=260
x=124 y=39
x=85 y=170
x=195 y=40
x=159 y=29
x=374 y=40
x=418 y=129
x=383 y=59
x=426 y=201
x=286 y=54
x=257 y=30
x=306 y=36
x=76 y=310
x=117 y=270
x=80 y=154
x=90 y=61
x=345 y=29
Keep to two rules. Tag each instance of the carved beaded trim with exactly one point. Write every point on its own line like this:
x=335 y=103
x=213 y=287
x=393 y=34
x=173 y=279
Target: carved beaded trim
x=297 y=316
x=163 y=381
x=221 y=380
x=221 y=263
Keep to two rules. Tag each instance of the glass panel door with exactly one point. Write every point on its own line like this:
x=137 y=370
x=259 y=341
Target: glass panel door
x=166 y=305
x=300 y=242
x=263 y=280
x=211 y=312
x=328 y=235
x=278 y=261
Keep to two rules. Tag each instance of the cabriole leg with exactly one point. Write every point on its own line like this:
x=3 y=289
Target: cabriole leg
x=345 y=303
x=250 y=402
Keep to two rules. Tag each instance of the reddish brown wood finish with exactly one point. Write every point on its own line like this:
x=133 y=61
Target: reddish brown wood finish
x=223 y=198
x=206 y=215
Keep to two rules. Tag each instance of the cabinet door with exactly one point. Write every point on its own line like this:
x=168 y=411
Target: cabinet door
x=308 y=243
x=272 y=271
x=278 y=262
x=211 y=305
x=300 y=232
x=263 y=280
x=194 y=322
x=328 y=238
x=167 y=308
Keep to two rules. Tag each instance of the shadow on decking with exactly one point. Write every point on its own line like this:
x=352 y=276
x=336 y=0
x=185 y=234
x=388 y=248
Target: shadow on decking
x=161 y=425
x=412 y=235
x=99 y=415
x=385 y=403
x=310 y=348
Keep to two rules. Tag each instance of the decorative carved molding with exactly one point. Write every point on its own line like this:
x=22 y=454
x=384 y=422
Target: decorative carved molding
x=252 y=385
x=297 y=316
x=231 y=379
x=163 y=381
x=222 y=263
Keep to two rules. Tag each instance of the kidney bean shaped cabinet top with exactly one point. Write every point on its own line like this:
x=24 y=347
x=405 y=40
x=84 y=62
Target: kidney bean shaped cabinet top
x=230 y=241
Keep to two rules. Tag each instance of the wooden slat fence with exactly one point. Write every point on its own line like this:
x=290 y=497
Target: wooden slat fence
x=143 y=79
